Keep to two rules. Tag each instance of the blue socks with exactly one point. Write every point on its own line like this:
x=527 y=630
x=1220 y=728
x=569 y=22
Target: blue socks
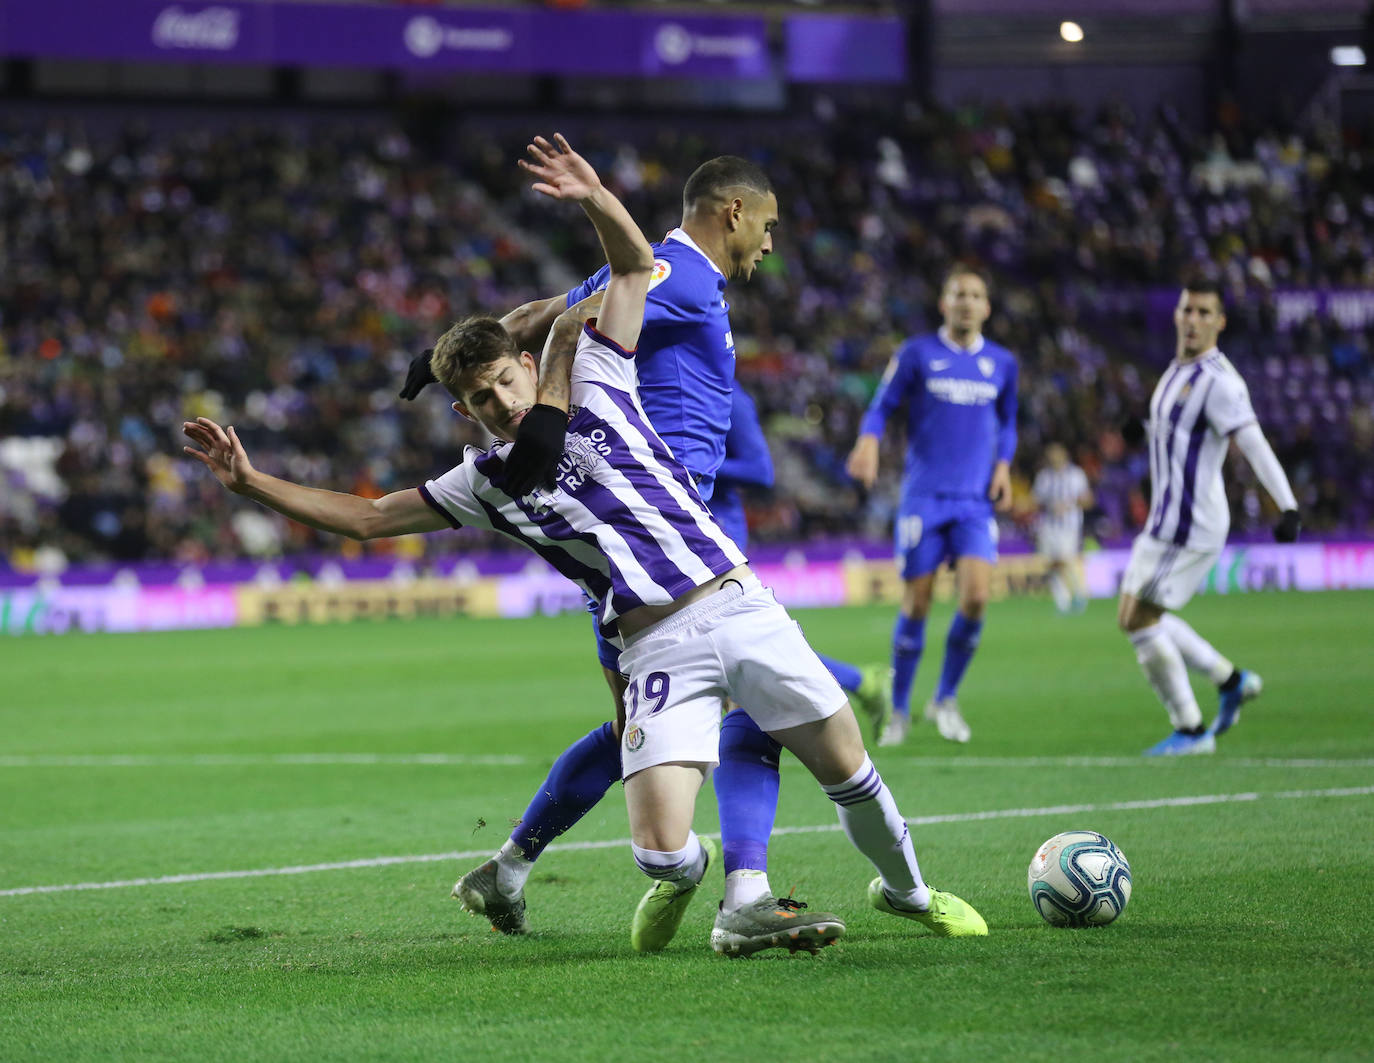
x=908 y=640
x=578 y=779
x=746 y=792
x=959 y=646
x=846 y=675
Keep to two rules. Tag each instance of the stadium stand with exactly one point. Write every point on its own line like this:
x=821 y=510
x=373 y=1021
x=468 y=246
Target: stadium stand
x=281 y=276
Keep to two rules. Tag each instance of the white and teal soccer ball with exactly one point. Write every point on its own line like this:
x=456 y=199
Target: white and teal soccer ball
x=1079 y=878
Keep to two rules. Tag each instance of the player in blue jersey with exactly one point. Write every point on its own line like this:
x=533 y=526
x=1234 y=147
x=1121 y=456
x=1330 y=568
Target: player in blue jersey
x=622 y=519
x=960 y=393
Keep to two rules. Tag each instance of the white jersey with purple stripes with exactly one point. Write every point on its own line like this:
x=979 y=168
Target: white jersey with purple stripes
x=625 y=522
x=1058 y=492
x=1196 y=408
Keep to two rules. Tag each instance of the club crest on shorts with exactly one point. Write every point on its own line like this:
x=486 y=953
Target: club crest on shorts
x=986 y=366
x=634 y=739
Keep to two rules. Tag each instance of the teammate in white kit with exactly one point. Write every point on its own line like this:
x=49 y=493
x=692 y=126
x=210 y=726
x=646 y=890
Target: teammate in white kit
x=1199 y=406
x=1061 y=495
x=624 y=521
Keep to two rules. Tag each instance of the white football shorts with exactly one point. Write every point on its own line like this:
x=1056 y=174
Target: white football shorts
x=738 y=643
x=1164 y=574
x=1057 y=544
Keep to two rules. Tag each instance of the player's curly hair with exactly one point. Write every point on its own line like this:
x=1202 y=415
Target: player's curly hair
x=723 y=174
x=475 y=341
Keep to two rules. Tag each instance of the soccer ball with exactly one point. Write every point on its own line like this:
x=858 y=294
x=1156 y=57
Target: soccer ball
x=1079 y=878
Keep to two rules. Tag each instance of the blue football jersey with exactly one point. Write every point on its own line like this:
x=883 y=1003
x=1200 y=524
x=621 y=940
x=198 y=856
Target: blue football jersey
x=686 y=354
x=961 y=413
x=747 y=463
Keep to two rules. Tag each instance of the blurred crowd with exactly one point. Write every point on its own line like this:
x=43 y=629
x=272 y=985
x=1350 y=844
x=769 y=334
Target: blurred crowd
x=280 y=278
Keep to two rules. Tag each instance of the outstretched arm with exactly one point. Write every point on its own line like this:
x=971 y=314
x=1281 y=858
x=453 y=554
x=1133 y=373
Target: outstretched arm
x=529 y=323
x=564 y=174
x=399 y=513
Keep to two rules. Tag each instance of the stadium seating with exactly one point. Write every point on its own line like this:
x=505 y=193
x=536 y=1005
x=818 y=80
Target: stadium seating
x=281 y=277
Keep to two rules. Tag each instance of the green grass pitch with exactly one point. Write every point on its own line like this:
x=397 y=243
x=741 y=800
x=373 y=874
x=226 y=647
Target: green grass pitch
x=125 y=759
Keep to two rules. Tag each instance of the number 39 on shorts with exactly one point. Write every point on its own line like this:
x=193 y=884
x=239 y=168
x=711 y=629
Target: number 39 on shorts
x=655 y=695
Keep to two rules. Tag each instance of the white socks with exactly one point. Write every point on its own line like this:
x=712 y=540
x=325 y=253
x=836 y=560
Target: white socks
x=1160 y=660
x=1059 y=591
x=512 y=869
x=873 y=823
x=1199 y=654
x=682 y=867
x=745 y=886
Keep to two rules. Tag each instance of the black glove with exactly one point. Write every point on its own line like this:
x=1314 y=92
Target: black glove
x=1286 y=530
x=419 y=375
x=1133 y=431
x=533 y=460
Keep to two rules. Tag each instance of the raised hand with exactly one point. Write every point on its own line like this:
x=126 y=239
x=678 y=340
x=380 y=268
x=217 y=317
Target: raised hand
x=220 y=452
x=561 y=172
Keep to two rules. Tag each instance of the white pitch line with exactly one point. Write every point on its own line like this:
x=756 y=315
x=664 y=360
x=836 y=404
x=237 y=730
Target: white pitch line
x=257 y=760
x=1136 y=762
x=916 y=821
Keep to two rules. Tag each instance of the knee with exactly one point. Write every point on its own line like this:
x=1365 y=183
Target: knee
x=1131 y=618
x=974 y=606
x=916 y=602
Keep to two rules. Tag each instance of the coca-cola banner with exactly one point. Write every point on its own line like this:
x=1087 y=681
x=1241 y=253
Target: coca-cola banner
x=514 y=40
x=227 y=32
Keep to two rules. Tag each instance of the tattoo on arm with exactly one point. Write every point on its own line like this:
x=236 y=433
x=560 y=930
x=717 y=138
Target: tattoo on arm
x=555 y=367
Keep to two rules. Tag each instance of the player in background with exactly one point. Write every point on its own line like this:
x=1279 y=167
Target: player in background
x=686 y=364
x=623 y=521
x=1199 y=406
x=960 y=392
x=1061 y=494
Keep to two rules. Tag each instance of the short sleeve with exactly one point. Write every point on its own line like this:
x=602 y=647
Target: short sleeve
x=453 y=495
x=679 y=292
x=1228 y=404
x=594 y=283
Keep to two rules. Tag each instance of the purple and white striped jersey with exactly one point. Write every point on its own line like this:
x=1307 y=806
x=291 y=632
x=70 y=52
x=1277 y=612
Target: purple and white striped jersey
x=1060 y=489
x=625 y=521
x=1196 y=407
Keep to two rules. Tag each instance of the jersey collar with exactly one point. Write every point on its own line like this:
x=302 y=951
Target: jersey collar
x=681 y=237
x=1211 y=352
x=948 y=341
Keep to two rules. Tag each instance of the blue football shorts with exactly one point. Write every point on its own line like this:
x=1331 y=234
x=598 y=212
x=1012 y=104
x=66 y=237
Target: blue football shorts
x=930 y=531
